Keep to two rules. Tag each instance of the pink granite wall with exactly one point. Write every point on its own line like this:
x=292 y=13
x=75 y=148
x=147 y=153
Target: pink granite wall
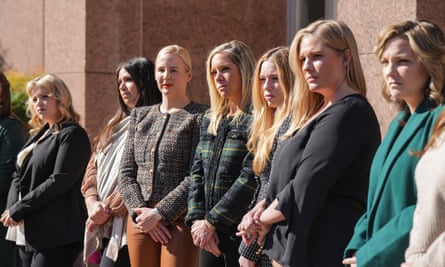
x=21 y=34
x=117 y=30
x=366 y=18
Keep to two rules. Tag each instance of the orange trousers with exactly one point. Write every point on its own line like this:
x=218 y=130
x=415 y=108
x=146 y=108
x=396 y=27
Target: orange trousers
x=179 y=252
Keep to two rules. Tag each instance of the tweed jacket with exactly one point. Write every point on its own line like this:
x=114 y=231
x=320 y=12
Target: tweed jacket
x=222 y=180
x=427 y=236
x=49 y=180
x=157 y=156
x=382 y=233
x=251 y=252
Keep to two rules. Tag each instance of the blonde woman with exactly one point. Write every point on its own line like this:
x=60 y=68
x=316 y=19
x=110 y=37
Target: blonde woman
x=271 y=98
x=222 y=181
x=158 y=154
x=319 y=175
x=44 y=199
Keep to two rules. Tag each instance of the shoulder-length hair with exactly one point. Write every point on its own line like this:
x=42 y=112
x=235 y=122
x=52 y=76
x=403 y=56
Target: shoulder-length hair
x=60 y=92
x=267 y=120
x=141 y=71
x=427 y=42
x=337 y=36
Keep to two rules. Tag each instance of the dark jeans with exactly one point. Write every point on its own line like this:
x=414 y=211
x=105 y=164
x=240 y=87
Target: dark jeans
x=229 y=249
x=8 y=253
x=123 y=259
x=55 y=257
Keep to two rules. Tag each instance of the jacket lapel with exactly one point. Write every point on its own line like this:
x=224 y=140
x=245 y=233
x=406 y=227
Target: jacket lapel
x=397 y=142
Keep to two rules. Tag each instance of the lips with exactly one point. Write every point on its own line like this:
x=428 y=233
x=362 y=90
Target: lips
x=166 y=85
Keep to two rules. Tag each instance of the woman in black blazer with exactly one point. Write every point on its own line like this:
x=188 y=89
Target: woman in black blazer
x=45 y=211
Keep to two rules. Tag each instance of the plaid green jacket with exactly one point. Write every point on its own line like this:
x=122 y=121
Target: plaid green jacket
x=222 y=182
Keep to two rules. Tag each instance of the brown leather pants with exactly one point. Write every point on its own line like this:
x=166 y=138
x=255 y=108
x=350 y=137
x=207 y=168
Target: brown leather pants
x=179 y=252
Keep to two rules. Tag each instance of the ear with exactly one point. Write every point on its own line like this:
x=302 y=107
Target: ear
x=189 y=76
x=347 y=55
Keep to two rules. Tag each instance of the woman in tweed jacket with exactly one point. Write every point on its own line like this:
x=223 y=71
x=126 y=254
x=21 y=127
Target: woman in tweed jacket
x=158 y=154
x=222 y=180
x=271 y=98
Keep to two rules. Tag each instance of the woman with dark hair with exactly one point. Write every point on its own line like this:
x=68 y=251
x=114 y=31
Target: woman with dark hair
x=45 y=210
x=106 y=223
x=12 y=137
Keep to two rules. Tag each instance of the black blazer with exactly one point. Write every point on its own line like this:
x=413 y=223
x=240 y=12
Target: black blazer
x=320 y=177
x=49 y=181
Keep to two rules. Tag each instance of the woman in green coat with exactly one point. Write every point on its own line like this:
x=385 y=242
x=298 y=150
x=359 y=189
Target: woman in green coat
x=411 y=54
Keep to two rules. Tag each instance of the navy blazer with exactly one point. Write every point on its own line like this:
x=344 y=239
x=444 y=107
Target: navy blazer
x=49 y=181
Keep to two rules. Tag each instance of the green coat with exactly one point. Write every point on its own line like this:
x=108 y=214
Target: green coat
x=382 y=234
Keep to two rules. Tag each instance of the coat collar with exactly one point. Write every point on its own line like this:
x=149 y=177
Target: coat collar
x=398 y=138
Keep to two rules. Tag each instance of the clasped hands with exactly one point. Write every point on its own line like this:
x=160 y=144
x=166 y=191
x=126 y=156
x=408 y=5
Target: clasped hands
x=204 y=236
x=251 y=227
x=149 y=221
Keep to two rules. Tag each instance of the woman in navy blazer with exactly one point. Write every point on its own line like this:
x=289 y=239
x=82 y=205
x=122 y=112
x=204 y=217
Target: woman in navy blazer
x=45 y=210
x=411 y=54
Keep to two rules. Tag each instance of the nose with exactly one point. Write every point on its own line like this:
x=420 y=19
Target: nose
x=307 y=64
x=267 y=84
x=389 y=69
x=219 y=76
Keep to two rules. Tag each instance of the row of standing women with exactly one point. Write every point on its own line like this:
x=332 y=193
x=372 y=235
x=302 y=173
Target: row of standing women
x=274 y=173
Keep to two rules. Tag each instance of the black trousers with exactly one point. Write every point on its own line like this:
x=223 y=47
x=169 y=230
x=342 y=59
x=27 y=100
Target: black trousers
x=123 y=260
x=229 y=248
x=64 y=256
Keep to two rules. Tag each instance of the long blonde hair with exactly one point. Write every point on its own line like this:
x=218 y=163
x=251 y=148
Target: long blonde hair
x=60 y=92
x=336 y=35
x=267 y=120
x=241 y=55
x=427 y=42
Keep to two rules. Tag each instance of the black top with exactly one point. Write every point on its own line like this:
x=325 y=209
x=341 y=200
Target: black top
x=320 y=177
x=49 y=181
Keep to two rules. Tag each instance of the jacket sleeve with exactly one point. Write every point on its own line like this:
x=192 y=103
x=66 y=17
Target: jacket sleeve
x=12 y=137
x=89 y=182
x=387 y=242
x=236 y=201
x=359 y=237
x=72 y=157
x=196 y=199
x=128 y=185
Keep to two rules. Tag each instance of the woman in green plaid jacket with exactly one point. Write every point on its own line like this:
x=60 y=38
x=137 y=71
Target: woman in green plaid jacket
x=222 y=181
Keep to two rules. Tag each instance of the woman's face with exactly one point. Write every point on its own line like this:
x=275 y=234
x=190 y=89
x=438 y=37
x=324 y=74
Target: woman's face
x=171 y=74
x=405 y=77
x=323 y=67
x=45 y=105
x=227 y=77
x=270 y=83
x=128 y=89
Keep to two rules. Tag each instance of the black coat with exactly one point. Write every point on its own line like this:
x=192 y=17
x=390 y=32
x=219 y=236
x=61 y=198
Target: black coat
x=49 y=181
x=320 y=177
